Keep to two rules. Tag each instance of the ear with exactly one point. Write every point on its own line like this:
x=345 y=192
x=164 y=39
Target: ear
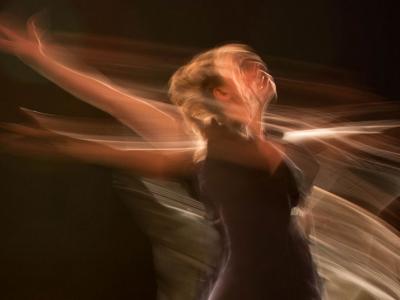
x=221 y=94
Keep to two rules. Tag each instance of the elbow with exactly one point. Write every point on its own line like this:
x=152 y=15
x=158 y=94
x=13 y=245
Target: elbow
x=159 y=170
x=156 y=167
x=167 y=169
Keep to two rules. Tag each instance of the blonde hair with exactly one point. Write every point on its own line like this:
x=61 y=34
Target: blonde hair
x=191 y=86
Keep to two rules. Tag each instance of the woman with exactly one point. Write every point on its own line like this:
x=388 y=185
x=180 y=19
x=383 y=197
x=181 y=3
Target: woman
x=223 y=93
x=241 y=175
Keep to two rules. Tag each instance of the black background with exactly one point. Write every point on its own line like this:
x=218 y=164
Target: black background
x=63 y=233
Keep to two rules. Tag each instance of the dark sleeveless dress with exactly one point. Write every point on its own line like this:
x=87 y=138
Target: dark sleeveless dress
x=266 y=255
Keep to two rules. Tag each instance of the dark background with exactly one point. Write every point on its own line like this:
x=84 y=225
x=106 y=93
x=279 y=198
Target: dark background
x=63 y=232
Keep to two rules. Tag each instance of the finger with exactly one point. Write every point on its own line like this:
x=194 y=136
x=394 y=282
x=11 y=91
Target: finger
x=6 y=137
x=11 y=142
x=28 y=131
x=30 y=114
x=9 y=33
x=32 y=26
x=17 y=146
x=7 y=46
x=25 y=130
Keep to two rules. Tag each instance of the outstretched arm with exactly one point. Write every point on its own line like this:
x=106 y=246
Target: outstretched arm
x=144 y=116
x=37 y=142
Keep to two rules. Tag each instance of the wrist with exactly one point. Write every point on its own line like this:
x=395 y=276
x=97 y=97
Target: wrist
x=31 y=57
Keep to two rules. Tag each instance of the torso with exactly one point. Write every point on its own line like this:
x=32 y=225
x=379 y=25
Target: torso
x=266 y=256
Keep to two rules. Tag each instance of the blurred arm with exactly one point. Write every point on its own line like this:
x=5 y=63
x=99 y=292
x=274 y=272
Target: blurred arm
x=148 y=118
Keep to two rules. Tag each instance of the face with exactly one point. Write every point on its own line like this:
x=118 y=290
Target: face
x=255 y=83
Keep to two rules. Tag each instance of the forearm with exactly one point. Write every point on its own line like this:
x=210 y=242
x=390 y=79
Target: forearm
x=145 y=117
x=149 y=163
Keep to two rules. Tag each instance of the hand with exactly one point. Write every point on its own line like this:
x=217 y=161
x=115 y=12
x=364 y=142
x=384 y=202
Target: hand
x=25 y=43
x=29 y=141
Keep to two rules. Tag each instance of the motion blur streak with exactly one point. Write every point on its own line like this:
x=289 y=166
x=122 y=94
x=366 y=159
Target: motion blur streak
x=357 y=252
x=336 y=131
x=355 y=139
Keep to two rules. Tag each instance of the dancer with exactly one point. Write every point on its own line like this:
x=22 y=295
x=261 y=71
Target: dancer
x=223 y=93
x=242 y=175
